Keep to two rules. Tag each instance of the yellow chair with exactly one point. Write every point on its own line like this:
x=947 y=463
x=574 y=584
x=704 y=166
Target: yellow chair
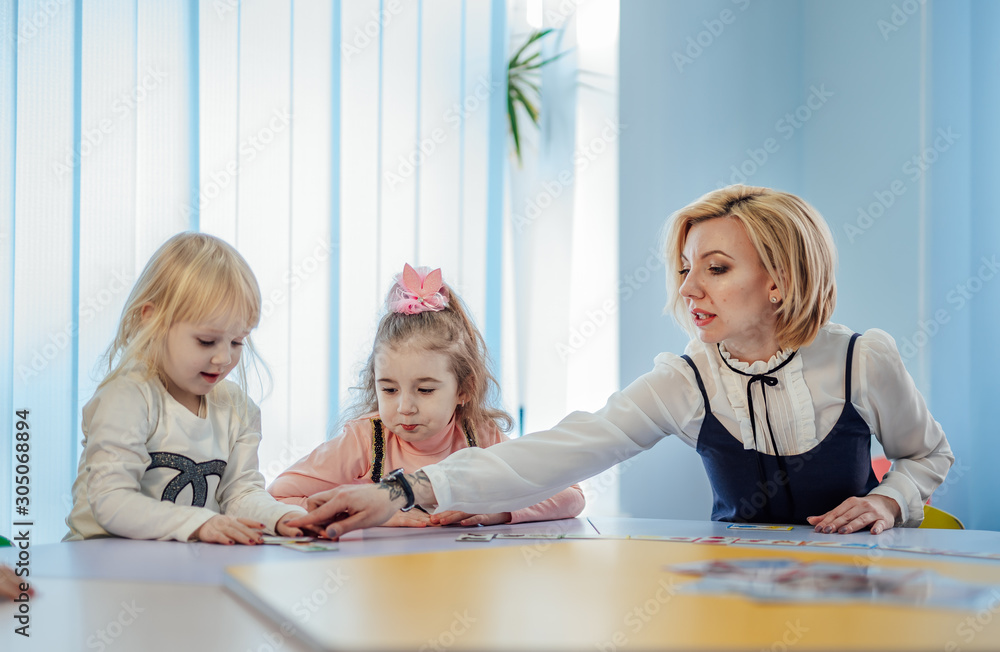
x=940 y=519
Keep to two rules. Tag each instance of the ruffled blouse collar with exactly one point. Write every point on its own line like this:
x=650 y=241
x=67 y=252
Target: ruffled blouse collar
x=757 y=367
x=796 y=399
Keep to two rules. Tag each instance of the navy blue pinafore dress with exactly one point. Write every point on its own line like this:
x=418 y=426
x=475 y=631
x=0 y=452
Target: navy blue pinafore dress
x=753 y=487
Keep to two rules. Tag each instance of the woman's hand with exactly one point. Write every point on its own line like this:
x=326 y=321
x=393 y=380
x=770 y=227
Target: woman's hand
x=348 y=507
x=286 y=530
x=854 y=514
x=228 y=530
x=468 y=520
x=352 y=507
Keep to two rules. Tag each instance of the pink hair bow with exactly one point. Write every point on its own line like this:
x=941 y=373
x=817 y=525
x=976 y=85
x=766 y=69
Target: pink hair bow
x=418 y=290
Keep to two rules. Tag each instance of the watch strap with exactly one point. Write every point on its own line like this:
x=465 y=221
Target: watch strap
x=399 y=478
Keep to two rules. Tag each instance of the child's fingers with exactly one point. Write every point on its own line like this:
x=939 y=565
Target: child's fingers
x=415 y=519
x=236 y=530
x=10 y=583
x=246 y=532
x=478 y=519
x=215 y=536
x=448 y=518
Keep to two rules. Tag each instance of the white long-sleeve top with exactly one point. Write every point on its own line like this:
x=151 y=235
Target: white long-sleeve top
x=130 y=418
x=803 y=408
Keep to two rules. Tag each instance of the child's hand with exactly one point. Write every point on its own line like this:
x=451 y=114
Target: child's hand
x=286 y=530
x=468 y=520
x=412 y=518
x=228 y=530
x=10 y=583
x=879 y=513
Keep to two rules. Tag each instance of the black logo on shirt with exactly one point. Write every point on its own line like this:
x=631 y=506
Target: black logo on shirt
x=191 y=473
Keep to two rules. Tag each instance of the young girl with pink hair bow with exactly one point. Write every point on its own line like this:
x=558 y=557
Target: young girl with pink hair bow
x=426 y=392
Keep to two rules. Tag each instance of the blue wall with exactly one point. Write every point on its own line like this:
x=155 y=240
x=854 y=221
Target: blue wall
x=868 y=110
x=983 y=219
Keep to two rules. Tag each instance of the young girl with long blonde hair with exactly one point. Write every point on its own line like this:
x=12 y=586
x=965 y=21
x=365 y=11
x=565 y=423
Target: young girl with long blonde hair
x=170 y=445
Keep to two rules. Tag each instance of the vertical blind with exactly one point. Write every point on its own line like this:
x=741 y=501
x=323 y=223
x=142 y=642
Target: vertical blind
x=330 y=142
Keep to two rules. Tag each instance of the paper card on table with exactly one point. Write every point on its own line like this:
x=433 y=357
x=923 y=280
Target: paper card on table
x=753 y=542
x=528 y=535
x=317 y=545
x=475 y=537
x=673 y=538
x=840 y=544
x=717 y=541
x=585 y=536
x=754 y=526
x=277 y=540
x=662 y=537
x=916 y=549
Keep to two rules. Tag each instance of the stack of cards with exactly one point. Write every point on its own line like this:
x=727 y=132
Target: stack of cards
x=302 y=544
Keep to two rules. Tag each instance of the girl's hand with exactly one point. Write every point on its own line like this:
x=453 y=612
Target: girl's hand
x=10 y=583
x=228 y=530
x=468 y=520
x=874 y=511
x=412 y=518
x=286 y=530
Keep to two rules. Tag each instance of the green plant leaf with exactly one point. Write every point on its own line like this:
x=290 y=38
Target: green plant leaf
x=528 y=105
x=512 y=118
x=524 y=86
x=531 y=39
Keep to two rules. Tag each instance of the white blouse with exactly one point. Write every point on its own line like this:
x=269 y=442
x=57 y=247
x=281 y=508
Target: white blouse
x=802 y=409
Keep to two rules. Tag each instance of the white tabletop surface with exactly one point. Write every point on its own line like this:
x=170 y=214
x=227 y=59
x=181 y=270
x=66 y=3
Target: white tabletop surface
x=119 y=595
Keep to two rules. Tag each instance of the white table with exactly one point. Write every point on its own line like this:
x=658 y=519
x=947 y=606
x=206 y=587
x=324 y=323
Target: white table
x=121 y=595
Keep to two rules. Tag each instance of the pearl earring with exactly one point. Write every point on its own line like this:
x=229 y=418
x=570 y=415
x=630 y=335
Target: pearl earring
x=774 y=299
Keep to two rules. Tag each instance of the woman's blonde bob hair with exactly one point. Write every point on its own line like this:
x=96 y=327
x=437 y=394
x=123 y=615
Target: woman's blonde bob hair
x=192 y=277
x=795 y=247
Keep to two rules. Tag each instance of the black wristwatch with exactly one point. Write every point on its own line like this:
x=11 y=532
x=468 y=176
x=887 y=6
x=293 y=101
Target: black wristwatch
x=399 y=478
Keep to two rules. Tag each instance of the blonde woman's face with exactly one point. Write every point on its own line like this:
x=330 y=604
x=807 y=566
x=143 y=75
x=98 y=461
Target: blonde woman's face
x=727 y=291
x=199 y=356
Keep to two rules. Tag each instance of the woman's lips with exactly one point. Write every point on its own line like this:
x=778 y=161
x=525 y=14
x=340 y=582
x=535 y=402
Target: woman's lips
x=701 y=318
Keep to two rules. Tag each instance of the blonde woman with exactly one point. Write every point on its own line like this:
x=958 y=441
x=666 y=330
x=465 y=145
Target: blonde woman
x=170 y=445
x=780 y=403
